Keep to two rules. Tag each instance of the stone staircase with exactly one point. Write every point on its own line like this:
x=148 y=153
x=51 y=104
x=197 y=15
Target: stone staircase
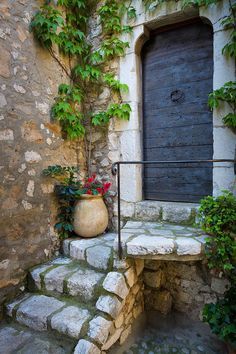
x=91 y=298
x=87 y=295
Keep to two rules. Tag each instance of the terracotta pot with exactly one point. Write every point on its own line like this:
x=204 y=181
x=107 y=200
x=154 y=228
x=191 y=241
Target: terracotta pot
x=90 y=216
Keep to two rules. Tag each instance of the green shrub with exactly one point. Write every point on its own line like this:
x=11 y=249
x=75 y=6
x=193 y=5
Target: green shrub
x=222 y=317
x=218 y=218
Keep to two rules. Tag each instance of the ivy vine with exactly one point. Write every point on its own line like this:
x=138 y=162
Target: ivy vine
x=64 y=27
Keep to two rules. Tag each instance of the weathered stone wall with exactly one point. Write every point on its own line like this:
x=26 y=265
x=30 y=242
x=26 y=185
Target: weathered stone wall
x=180 y=286
x=29 y=78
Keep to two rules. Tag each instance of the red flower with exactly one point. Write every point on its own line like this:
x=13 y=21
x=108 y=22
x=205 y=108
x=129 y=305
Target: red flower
x=90 y=179
x=106 y=186
x=89 y=192
x=100 y=190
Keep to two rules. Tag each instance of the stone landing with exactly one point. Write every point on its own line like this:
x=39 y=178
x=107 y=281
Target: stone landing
x=162 y=241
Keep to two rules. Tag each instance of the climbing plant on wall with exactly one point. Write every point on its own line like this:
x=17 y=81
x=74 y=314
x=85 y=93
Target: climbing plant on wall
x=63 y=29
x=226 y=93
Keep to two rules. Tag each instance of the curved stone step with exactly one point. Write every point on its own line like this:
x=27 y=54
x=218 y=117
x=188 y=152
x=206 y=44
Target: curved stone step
x=44 y=313
x=67 y=277
x=96 y=252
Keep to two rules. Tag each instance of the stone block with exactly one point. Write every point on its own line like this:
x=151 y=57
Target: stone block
x=4 y=63
x=115 y=283
x=35 y=274
x=125 y=334
x=152 y=264
x=112 y=339
x=131 y=276
x=154 y=279
x=66 y=247
x=54 y=279
x=109 y=304
x=99 y=257
x=99 y=329
x=78 y=247
x=86 y=347
x=137 y=310
x=3 y=101
x=144 y=245
x=177 y=212
x=163 y=302
x=188 y=246
x=11 y=307
x=139 y=265
x=119 y=320
x=84 y=283
x=70 y=320
x=35 y=311
x=147 y=211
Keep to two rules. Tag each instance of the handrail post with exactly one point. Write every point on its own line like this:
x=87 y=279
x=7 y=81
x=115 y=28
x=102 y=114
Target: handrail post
x=118 y=212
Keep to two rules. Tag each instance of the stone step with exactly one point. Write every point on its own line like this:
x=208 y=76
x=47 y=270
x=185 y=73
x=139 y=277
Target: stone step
x=65 y=276
x=15 y=338
x=47 y=313
x=173 y=212
x=95 y=252
x=162 y=241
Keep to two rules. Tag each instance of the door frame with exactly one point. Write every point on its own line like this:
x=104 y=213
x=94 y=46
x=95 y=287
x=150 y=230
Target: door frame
x=130 y=133
x=153 y=34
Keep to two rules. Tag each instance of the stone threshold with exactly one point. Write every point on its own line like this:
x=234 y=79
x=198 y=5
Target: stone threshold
x=162 y=241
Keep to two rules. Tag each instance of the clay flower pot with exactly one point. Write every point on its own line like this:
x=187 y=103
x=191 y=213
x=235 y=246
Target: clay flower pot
x=90 y=216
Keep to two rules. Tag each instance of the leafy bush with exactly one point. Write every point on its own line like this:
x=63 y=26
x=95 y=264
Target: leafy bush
x=218 y=218
x=222 y=317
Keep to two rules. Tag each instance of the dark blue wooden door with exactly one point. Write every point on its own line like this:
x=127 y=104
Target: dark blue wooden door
x=177 y=123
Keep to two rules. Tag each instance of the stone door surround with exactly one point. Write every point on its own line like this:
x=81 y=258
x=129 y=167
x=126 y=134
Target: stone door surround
x=130 y=133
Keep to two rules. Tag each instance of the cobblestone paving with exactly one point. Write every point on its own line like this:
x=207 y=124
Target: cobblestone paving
x=179 y=342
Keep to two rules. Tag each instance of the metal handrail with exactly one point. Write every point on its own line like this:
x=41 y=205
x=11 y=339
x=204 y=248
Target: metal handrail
x=116 y=171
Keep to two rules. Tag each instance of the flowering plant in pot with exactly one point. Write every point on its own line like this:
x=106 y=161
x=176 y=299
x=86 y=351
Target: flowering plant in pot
x=90 y=214
x=82 y=210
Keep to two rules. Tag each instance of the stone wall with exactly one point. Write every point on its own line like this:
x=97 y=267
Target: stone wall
x=29 y=142
x=180 y=286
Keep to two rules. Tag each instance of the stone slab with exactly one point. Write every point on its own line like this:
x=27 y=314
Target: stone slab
x=86 y=347
x=78 y=247
x=115 y=283
x=35 y=311
x=35 y=274
x=188 y=246
x=149 y=245
x=99 y=257
x=109 y=304
x=54 y=279
x=99 y=329
x=70 y=320
x=11 y=307
x=84 y=283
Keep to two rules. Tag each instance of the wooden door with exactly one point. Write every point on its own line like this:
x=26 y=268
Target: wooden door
x=177 y=68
